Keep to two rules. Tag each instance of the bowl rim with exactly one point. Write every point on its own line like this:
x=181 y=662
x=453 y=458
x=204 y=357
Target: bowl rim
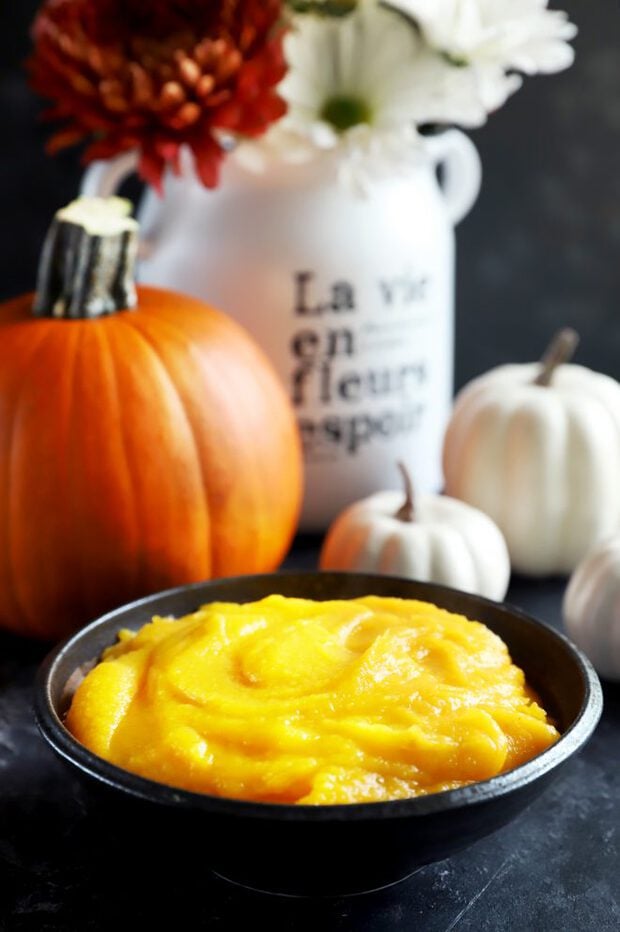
x=76 y=754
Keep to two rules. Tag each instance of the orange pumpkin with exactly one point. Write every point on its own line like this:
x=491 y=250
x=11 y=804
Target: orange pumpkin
x=139 y=450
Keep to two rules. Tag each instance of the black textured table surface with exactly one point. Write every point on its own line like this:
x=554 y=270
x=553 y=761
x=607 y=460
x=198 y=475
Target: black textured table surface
x=557 y=867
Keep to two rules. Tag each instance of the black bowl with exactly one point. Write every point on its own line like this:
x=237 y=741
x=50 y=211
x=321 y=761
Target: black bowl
x=326 y=850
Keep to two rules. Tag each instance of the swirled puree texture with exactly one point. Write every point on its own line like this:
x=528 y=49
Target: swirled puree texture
x=293 y=701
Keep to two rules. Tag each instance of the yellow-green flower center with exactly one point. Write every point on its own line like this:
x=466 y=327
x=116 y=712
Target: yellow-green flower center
x=323 y=7
x=345 y=112
x=457 y=61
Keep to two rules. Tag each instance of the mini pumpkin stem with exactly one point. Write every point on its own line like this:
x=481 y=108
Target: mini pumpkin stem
x=407 y=510
x=561 y=350
x=87 y=266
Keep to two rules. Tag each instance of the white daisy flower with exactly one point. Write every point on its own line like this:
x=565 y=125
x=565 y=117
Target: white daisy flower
x=494 y=38
x=359 y=86
x=350 y=73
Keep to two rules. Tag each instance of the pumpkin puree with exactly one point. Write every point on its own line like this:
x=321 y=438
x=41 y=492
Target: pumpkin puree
x=292 y=701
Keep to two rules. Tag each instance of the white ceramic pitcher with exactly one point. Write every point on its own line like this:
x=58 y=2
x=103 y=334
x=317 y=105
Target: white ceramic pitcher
x=351 y=297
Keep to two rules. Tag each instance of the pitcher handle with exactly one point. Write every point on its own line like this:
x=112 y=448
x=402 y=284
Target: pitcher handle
x=102 y=179
x=462 y=170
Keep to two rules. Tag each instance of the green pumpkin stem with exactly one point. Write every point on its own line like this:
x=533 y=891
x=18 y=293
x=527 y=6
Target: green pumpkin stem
x=561 y=350
x=87 y=266
x=407 y=510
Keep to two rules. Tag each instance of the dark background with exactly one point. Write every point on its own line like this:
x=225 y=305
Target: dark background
x=540 y=250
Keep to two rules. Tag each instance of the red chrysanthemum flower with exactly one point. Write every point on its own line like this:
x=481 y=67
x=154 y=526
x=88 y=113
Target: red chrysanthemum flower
x=155 y=75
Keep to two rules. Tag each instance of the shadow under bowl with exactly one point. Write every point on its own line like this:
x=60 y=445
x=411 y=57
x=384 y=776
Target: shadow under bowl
x=324 y=850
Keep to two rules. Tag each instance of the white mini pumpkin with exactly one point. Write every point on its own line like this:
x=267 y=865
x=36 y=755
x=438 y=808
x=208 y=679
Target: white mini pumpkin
x=592 y=607
x=538 y=449
x=437 y=539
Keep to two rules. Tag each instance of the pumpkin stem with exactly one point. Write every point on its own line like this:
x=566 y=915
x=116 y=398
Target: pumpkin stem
x=87 y=266
x=561 y=350
x=407 y=510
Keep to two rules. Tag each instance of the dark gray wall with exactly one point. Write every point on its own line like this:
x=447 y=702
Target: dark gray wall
x=541 y=249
